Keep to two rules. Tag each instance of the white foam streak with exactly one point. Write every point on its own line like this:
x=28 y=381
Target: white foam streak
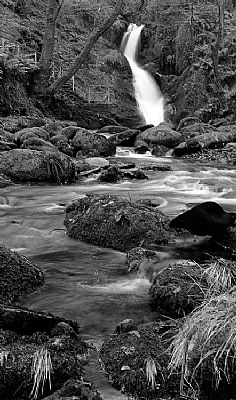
x=147 y=93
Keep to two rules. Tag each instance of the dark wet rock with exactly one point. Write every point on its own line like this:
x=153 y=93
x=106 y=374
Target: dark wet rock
x=111 y=174
x=87 y=143
x=141 y=147
x=110 y=221
x=135 y=174
x=18 y=276
x=124 y=138
x=136 y=255
x=112 y=129
x=159 y=151
x=25 y=165
x=122 y=164
x=128 y=357
x=227 y=238
x=178 y=289
x=4 y=181
x=28 y=133
x=184 y=148
x=75 y=390
x=161 y=134
x=26 y=322
x=35 y=143
x=65 y=353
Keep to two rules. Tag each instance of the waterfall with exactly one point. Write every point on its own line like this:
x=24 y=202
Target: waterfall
x=148 y=96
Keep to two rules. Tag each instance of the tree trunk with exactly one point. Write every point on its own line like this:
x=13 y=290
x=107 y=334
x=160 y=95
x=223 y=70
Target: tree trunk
x=215 y=48
x=46 y=60
x=79 y=60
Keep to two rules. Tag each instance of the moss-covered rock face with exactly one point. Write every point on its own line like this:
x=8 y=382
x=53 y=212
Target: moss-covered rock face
x=25 y=165
x=178 y=289
x=137 y=363
x=18 y=276
x=114 y=222
x=63 y=350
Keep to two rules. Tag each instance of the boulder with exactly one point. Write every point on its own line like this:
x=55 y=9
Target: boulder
x=141 y=147
x=159 y=151
x=209 y=140
x=25 y=165
x=35 y=143
x=161 y=134
x=91 y=144
x=137 y=362
x=58 y=138
x=110 y=221
x=14 y=124
x=18 y=276
x=52 y=127
x=69 y=131
x=178 y=288
x=34 y=132
x=97 y=162
x=111 y=174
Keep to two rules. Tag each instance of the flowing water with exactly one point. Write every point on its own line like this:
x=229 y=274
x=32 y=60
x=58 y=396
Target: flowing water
x=88 y=283
x=148 y=96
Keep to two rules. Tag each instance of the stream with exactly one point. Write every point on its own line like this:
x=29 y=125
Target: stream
x=88 y=283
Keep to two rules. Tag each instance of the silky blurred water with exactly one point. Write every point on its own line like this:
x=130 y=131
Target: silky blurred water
x=88 y=283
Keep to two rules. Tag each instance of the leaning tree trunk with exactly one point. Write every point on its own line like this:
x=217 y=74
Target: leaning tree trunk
x=46 y=60
x=79 y=60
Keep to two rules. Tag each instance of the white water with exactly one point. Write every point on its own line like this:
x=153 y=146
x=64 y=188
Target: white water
x=148 y=96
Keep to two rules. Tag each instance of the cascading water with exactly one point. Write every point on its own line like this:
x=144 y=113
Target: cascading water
x=148 y=96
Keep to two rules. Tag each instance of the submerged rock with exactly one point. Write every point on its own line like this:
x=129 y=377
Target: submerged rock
x=25 y=165
x=110 y=221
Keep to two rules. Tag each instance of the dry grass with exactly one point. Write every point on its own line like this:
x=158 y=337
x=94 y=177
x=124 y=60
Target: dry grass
x=151 y=372
x=220 y=276
x=207 y=338
x=41 y=371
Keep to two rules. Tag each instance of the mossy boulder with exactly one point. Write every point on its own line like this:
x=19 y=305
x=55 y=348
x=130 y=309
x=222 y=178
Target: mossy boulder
x=26 y=165
x=28 y=133
x=18 y=276
x=88 y=143
x=110 y=221
x=62 y=350
x=178 y=288
x=136 y=363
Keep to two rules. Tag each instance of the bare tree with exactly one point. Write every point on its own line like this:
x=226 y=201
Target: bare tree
x=48 y=48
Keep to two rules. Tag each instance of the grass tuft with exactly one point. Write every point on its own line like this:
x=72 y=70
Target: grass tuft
x=40 y=371
x=220 y=276
x=207 y=340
